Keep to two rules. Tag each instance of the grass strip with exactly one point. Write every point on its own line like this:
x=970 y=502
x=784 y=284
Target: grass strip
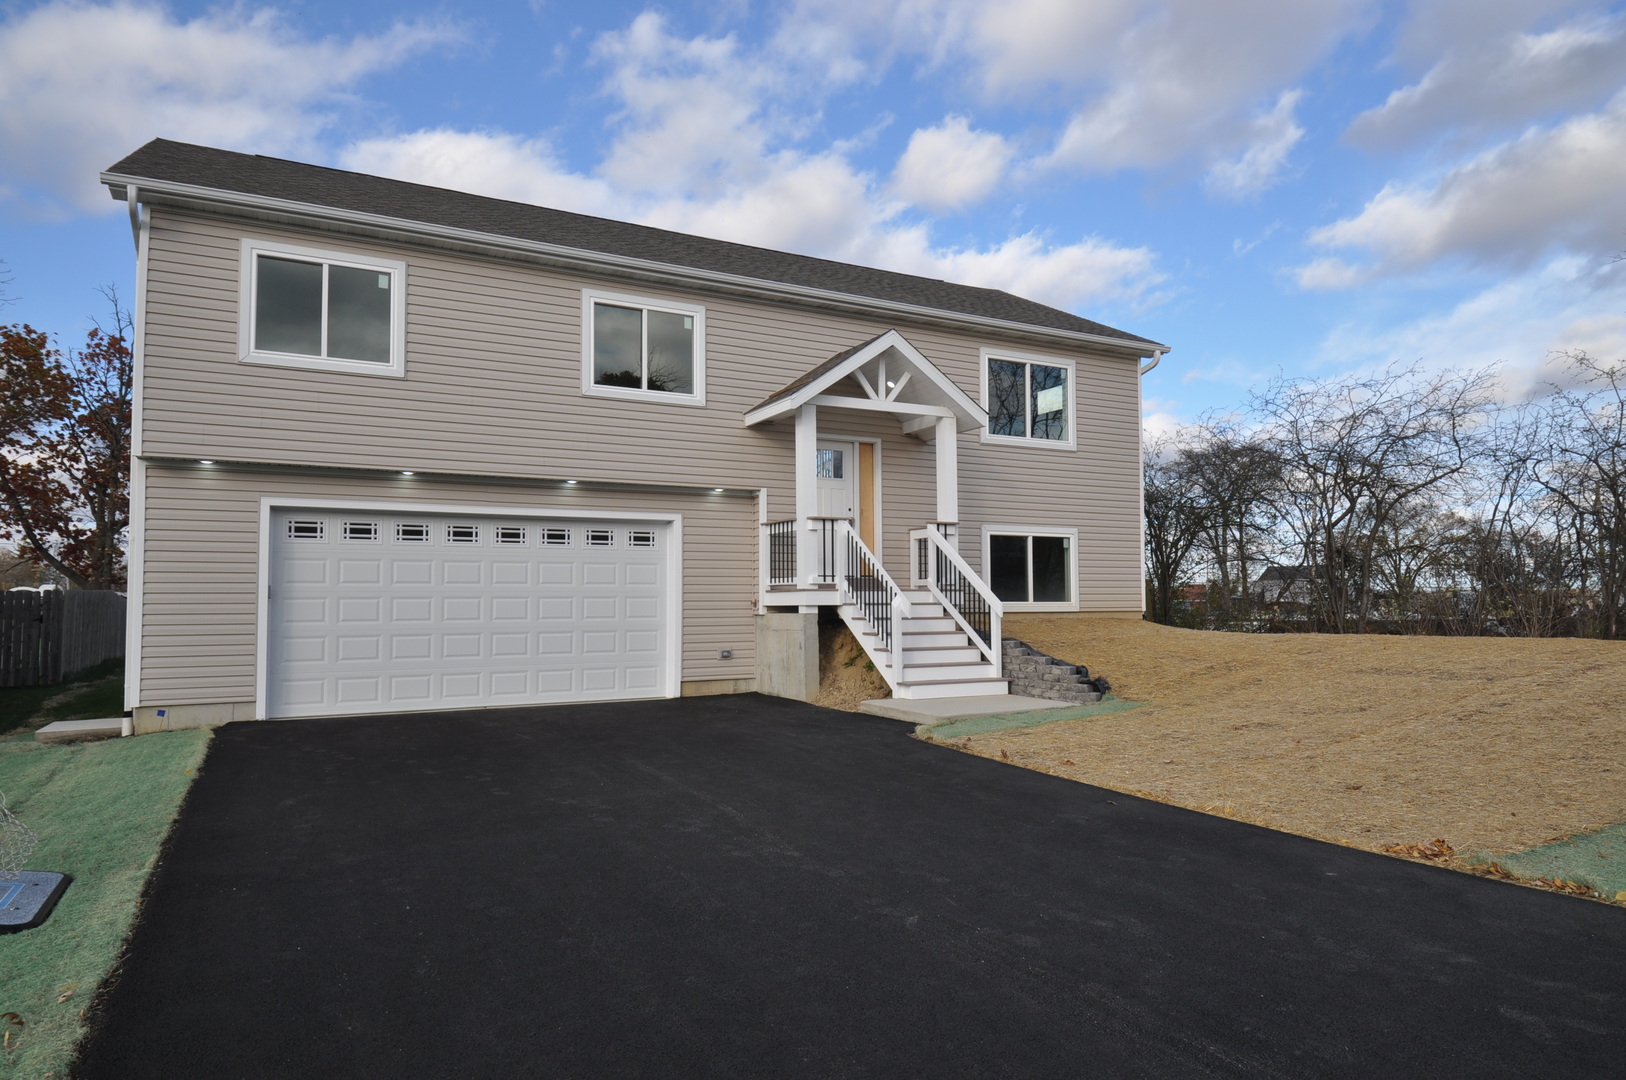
x=101 y=810
x=982 y=725
x=89 y=695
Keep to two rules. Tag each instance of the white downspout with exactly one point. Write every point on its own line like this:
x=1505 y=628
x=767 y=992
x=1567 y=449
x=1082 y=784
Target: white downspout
x=1140 y=475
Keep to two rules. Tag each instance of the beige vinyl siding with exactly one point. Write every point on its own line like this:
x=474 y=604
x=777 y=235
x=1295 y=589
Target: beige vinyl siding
x=200 y=580
x=493 y=387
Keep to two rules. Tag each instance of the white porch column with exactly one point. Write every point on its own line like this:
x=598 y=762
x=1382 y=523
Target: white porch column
x=947 y=446
x=807 y=489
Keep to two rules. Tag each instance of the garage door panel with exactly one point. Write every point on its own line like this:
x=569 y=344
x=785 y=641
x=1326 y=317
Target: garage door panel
x=381 y=612
x=412 y=572
x=510 y=608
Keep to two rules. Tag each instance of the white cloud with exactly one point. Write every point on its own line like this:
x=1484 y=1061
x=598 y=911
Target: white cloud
x=1515 y=324
x=486 y=163
x=82 y=84
x=1260 y=165
x=702 y=144
x=949 y=167
x=1147 y=82
x=1562 y=187
x=1486 y=67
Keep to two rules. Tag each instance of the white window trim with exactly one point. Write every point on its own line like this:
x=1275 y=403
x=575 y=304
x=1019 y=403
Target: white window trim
x=248 y=354
x=1069 y=443
x=1071 y=603
x=592 y=389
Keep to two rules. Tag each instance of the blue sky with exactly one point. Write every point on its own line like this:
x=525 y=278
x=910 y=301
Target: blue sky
x=1299 y=186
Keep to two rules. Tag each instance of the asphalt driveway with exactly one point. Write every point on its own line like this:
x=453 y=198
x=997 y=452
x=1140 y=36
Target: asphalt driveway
x=751 y=887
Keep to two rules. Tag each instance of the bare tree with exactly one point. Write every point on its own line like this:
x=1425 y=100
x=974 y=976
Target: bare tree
x=1355 y=453
x=1584 y=473
x=1236 y=476
x=1176 y=518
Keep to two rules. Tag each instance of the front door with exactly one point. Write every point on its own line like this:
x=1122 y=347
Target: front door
x=836 y=466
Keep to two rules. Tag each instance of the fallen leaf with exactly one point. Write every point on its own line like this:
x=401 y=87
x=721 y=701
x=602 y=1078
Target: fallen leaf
x=65 y=996
x=1434 y=849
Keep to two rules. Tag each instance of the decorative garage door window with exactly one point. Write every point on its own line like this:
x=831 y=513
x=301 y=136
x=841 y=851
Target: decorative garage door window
x=397 y=613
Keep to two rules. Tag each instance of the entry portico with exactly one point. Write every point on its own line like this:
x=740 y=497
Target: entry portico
x=942 y=638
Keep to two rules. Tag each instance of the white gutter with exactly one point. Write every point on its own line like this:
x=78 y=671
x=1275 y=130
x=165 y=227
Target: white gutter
x=1157 y=358
x=602 y=261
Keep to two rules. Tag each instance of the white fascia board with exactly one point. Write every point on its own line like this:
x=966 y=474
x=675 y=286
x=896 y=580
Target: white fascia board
x=602 y=261
x=968 y=412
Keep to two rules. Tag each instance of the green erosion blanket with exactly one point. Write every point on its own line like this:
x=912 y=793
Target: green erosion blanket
x=982 y=725
x=1595 y=859
x=101 y=810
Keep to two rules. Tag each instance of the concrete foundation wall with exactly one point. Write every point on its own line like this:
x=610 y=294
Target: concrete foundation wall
x=788 y=654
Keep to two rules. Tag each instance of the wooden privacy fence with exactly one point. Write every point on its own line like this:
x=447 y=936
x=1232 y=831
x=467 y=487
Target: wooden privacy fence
x=47 y=637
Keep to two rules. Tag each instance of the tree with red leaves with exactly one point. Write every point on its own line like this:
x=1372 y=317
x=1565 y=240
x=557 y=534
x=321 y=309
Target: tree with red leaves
x=65 y=419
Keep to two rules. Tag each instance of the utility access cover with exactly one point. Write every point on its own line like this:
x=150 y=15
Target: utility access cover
x=26 y=900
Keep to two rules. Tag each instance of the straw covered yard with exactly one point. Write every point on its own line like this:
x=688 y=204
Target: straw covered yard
x=1491 y=744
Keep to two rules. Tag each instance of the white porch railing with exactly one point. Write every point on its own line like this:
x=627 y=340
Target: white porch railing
x=961 y=591
x=800 y=553
x=863 y=582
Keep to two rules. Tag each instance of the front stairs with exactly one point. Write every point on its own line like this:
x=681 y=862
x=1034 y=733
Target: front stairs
x=939 y=658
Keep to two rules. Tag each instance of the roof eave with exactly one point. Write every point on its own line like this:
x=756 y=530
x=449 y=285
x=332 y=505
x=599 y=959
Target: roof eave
x=118 y=183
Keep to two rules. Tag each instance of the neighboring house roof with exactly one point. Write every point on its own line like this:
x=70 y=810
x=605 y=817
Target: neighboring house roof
x=163 y=162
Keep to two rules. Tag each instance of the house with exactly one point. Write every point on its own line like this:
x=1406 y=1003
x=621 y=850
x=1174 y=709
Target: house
x=1285 y=585
x=399 y=448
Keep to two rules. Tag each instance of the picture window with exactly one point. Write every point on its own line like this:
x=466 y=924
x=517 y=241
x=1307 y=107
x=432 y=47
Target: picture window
x=643 y=349
x=328 y=310
x=1028 y=400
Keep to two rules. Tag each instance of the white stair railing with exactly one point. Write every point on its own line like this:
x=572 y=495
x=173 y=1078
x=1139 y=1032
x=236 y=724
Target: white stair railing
x=863 y=582
x=963 y=594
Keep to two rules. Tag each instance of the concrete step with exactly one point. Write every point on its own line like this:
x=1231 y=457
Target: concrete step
x=946 y=688
x=967 y=669
x=80 y=730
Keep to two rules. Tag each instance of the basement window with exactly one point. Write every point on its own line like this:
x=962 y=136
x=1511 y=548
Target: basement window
x=1032 y=569
x=332 y=311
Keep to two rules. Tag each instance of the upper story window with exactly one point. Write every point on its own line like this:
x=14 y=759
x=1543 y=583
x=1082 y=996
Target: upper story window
x=1029 y=399
x=328 y=310
x=652 y=350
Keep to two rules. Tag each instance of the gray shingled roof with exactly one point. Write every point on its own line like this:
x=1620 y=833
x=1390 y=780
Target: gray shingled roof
x=252 y=174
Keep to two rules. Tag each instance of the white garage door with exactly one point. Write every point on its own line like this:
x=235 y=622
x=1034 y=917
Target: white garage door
x=376 y=612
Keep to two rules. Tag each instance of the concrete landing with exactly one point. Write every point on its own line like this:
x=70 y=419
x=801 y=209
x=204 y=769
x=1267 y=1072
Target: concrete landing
x=942 y=710
x=80 y=730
